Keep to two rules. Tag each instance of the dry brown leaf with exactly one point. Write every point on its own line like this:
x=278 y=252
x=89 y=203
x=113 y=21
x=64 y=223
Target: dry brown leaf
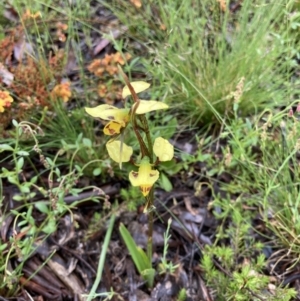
x=6 y=76
x=188 y=205
x=70 y=280
x=22 y=47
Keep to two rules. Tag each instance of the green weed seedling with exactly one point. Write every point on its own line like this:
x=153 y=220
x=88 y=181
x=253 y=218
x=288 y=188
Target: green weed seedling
x=145 y=177
x=182 y=295
x=165 y=266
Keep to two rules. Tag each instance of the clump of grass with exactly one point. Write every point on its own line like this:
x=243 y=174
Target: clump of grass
x=201 y=53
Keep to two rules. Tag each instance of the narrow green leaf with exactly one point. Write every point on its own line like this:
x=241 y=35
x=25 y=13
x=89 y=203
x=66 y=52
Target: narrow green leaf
x=23 y=153
x=87 y=142
x=12 y=180
x=165 y=182
x=18 y=197
x=97 y=171
x=139 y=257
x=102 y=258
x=42 y=207
x=33 y=179
x=3 y=247
x=4 y=147
x=20 y=163
x=15 y=122
x=49 y=161
x=148 y=275
x=50 y=227
x=24 y=189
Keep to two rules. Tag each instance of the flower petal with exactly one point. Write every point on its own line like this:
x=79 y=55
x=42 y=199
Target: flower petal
x=146 y=106
x=98 y=111
x=144 y=181
x=114 y=151
x=108 y=112
x=163 y=149
x=138 y=86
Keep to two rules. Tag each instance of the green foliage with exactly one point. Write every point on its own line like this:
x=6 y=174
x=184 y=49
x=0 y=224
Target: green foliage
x=261 y=153
x=182 y=295
x=236 y=70
x=59 y=122
x=165 y=265
x=204 y=53
x=132 y=197
x=245 y=282
x=268 y=176
x=101 y=262
x=52 y=206
x=139 y=257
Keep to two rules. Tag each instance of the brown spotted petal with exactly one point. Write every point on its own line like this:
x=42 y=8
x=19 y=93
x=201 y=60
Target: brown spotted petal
x=145 y=177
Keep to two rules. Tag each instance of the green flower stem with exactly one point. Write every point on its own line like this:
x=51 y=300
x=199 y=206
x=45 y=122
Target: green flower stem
x=149 y=207
x=146 y=130
x=146 y=151
x=143 y=147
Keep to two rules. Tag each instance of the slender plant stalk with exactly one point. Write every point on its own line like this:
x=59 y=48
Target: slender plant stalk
x=149 y=206
x=146 y=130
x=102 y=258
x=146 y=151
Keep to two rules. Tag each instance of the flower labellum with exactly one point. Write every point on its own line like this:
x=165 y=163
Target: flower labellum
x=145 y=177
x=112 y=128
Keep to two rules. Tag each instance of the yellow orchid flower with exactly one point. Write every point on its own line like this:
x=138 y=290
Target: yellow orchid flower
x=108 y=112
x=145 y=177
x=145 y=106
x=118 y=118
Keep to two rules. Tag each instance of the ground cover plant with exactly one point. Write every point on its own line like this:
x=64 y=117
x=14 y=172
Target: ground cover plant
x=208 y=212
